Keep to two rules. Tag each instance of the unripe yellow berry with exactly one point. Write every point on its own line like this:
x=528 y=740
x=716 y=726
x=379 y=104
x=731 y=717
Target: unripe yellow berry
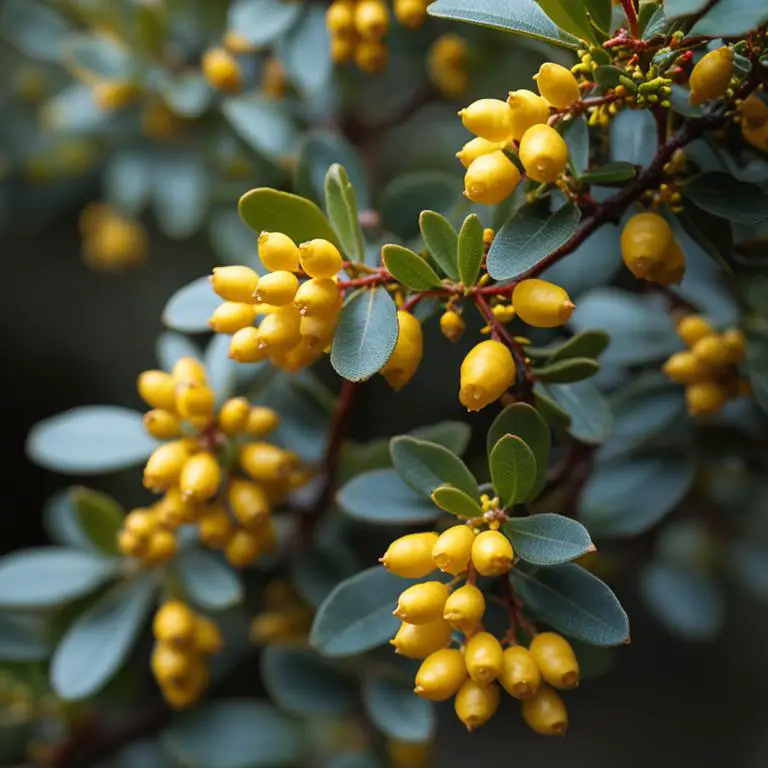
x=410 y=13
x=246 y=347
x=447 y=61
x=231 y=316
x=243 y=548
x=753 y=112
x=277 y=288
x=672 y=267
x=170 y=664
x=161 y=547
x=317 y=330
x=441 y=675
x=173 y=510
x=452 y=549
x=712 y=351
x=264 y=462
x=705 y=398
x=542 y=304
x=371 y=19
x=475 y=148
x=189 y=370
x=711 y=76
x=261 y=421
x=486 y=374
x=164 y=466
x=221 y=70
x=545 y=712
x=410 y=556
x=281 y=330
x=301 y=356
x=736 y=345
x=491 y=179
x=422 y=603
x=278 y=252
x=464 y=608
x=195 y=401
x=491 y=119
x=692 y=328
x=235 y=43
x=187 y=692
x=483 y=656
x=208 y=639
x=407 y=354
x=162 y=425
x=557 y=85
x=248 y=502
x=158 y=389
x=174 y=623
x=528 y=110
x=130 y=544
x=686 y=368
x=556 y=660
x=370 y=56
x=476 y=704
x=200 y=477
x=342 y=49
x=340 y=19
x=215 y=527
x=543 y=153
x=452 y=325
x=492 y=553
x=110 y=96
x=520 y=676
x=233 y=415
x=141 y=522
x=417 y=641
x=317 y=297
x=236 y=284
x=645 y=242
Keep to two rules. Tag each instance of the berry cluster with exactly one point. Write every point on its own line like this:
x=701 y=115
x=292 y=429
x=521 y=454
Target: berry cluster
x=285 y=616
x=709 y=368
x=447 y=61
x=358 y=29
x=111 y=242
x=432 y=612
x=298 y=318
x=184 y=640
x=650 y=250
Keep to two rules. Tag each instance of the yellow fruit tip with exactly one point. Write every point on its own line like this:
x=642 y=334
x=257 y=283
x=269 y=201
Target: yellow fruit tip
x=418 y=690
x=568 y=304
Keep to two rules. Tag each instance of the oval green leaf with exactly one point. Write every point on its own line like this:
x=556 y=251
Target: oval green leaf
x=99 y=517
x=722 y=195
x=513 y=470
x=261 y=21
x=441 y=241
x=567 y=371
x=24 y=638
x=589 y=411
x=571 y=17
x=263 y=124
x=547 y=539
x=453 y=435
x=589 y=344
x=450 y=499
x=471 y=249
x=610 y=173
x=731 y=18
x=341 y=205
x=396 y=712
x=207 y=580
x=408 y=268
x=190 y=308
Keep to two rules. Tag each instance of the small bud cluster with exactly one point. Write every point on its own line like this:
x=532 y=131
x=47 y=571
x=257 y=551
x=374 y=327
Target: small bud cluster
x=183 y=642
x=650 y=250
x=297 y=319
x=357 y=29
x=709 y=368
x=111 y=242
x=447 y=64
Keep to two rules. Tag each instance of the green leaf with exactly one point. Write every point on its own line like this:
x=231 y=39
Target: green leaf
x=234 y=733
x=98 y=642
x=190 y=308
x=573 y=601
x=89 y=440
x=365 y=335
x=24 y=638
x=553 y=414
x=653 y=20
x=270 y=210
x=571 y=17
x=342 y=211
x=731 y=18
x=304 y=685
x=262 y=21
x=100 y=518
x=305 y=52
x=589 y=344
x=674 y=9
x=528 y=238
x=34 y=28
x=426 y=466
x=629 y=497
x=180 y=189
x=577 y=138
x=471 y=249
x=396 y=712
x=381 y=497
x=100 y=57
x=711 y=233
x=513 y=470
x=567 y=371
x=207 y=580
x=263 y=124
x=316 y=571
x=441 y=241
x=128 y=180
x=171 y=346
x=525 y=17
x=722 y=195
x=453 y=435
x=188 y=94
x=524 y=421
x=547 y=539
x=450 y=499
x=409 y=268
x=610 y=173
x=601 y=13
x=607 y=76
x=590 y=413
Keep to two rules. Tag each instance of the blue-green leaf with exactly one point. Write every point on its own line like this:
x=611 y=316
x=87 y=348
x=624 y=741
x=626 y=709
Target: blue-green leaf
x=342 y=211
x=513 y=470
x=471 y=248
x=454 y=501
x=441 y=241
x=99 y=57
x=453 y=435
x=365 y=335
x=128 y=181
x=99 y=517
x=722 y=195
x=396 y=712
x=171 y=346
x=316 y=571
x=91 y=439
x=24 y=638
x=188 y=94
x=547 y=539
x=674 y=9
x=567 y=371
x=574 y=602
x=262 y=21
x=571 y=17
x=190 y=308
x=306 y=52
x=609 y=174
x=34 y=28
x=207 y=580
x=577 y=138
x=409 y=268
x=731 y=18
x=589 y=411
x=589 y=344
x=180 y=188
x=265 y=125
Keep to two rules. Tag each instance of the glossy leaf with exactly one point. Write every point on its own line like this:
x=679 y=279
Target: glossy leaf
x=454 y=501
x=441 y=241
x=471 y=249
x=731 y=18
x=553 y=414
x=190 y=308
x=207 y=580
x=601 y=13
x=409 y=268
x=610 y=173
x=577 y=138
x=673 y=9
x=589 y=344
x=547 y=539
x=573 y=601
x=571 y=17
x=263 y=124
x=396 y=712
x=261 y=21
x=99 y=516
x=513 y=470
x=567 y=371
x=453 y=435
x=589 y=411
x=342 y=211
x=306 y=52
x=34 y=28
x=722 y=195
x=712 y=234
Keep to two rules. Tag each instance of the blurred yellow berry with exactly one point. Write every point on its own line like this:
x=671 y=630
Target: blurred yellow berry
x=221 y=70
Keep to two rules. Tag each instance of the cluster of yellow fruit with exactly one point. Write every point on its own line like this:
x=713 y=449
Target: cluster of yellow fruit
x=650 y=250
x=447 y=61
x=285 y=617
x=298 y=319
x=517 y=124
x=111 y=242
x=753 y=118
x=184 y=640
x=430 y=612
x=357 y=29
x=709 y=368
x=195 y=470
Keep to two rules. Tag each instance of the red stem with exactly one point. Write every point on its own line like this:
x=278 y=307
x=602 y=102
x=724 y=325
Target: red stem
x=631 y=13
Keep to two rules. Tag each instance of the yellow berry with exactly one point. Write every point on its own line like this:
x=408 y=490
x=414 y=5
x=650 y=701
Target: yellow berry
x=221 y=70
x=317 y=330
x=281 y=330
x=452 y=325
x=441 y=675
x=452 y=549
x=141 y=522
x=130 y=544
x=545 y=712
x=317 y=297
x=161 y=546
x=712 y=351
x=164 y=466
x=645 y=242
x=483 y=656
x=557 y=85
x=407 y=354
x=162 y=425
x=208 y=639
x=233 y=415
x=277 y=288
x=158 y=389
x=407 y=754
x=410 y=13
x=475 y=148
x=237 y=284
x=491 y=178
x=711 y=76
x=692 y=328
x=261 y=421
x=189 y=370
x=169 y=663
x=185 y=692
x=248 y=502
x=422 y=603
x=476 y=704
x=520 y=676
x=556 y=660
x=543 y=153
x=464 y=608
x=753 y=112
x=231 y=316
x=542 y=304
x=109 y=96
x=174 y=623
x=371 y=19
x=263 y=462
x=278 y=252
x=236 y=43
x=246 y=347
x=371 y=57
x=342 y=49
x=528 y=110
x=410 y=556
x=686 y=368
x=173 y=509
x=490 y=119
x=735 y=344
x=417 y=641
x=705 y=398
x=214 y=527
x=340 y=19
x=243 y=548
x=320 y=258
x=486 y=374
x=492 y=554
x=274 y=82
x=672 y=268
x=195 y=401
x=200 y=477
